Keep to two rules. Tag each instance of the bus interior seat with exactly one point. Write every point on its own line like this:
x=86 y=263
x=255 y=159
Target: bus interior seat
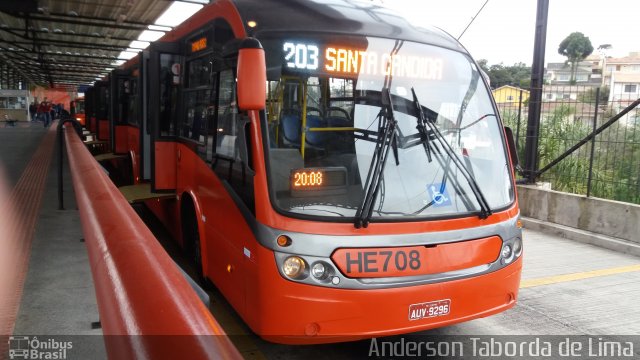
x=315 y=139
x=290 y=125
x=314 y=111
x=338 y=117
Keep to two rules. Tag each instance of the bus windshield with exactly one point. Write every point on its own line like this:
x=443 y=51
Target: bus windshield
x=391 y=128
x=80 y=106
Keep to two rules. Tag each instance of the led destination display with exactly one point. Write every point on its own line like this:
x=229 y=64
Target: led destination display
x=348 y=61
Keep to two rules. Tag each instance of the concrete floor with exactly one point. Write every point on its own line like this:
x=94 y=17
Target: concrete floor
x=17 y=145
x=59 y=299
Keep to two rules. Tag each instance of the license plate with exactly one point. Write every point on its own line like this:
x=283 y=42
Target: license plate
x=429 y=309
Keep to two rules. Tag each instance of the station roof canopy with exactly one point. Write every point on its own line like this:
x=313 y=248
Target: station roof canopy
x=67 y=43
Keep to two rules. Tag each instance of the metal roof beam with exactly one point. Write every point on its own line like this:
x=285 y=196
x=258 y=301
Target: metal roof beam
x=79 y=45
x=38 y=31
x=86 y=72
x=83 y=67
x=31 y=62
x=85 y=57
x=88 y=23
x=34 y=43
x=19 y=70
x=67 y=16
x=106 y=58
x=82 y=63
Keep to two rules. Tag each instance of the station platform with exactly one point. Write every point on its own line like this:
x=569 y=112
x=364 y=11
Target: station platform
x=568 y=288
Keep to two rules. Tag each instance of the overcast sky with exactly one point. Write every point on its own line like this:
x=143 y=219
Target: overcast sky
x=504 y=30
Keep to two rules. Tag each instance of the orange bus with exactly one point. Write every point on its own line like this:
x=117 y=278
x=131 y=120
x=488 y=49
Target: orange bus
x=97 y=110
x=335 y=172
x=77 y=110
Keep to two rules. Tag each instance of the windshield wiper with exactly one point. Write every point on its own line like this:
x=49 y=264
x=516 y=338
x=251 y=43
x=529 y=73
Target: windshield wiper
x=422 y=130
x=485 y=210
x=386 y=123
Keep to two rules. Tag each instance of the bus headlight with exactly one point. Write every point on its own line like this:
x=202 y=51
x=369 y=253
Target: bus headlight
x=507 y=253
x=294 y=267
x=319 y=270
x=517 y=247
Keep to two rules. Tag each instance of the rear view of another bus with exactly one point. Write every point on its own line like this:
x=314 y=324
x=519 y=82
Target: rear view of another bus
x=77 y=110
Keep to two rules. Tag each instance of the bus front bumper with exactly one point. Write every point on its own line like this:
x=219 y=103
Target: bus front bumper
x=283 y=311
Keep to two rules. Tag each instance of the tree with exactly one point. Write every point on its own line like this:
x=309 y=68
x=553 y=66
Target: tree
x=483 y=63
x=517 y=74
x=576 y=47
x=500 y=75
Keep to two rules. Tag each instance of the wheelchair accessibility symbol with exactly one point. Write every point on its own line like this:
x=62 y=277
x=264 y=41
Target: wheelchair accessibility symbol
x=439 y=195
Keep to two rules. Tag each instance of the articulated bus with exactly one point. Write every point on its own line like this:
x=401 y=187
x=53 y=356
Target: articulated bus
x=334 y=171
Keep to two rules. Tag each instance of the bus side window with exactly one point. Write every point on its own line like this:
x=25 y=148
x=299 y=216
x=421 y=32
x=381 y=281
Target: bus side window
x=123 y=101
x=231 y=140
x=227 y=116
x=169 y=82
x=199 y=102
x=132 y=102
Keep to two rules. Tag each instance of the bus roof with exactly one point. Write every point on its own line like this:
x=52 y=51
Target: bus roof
x=340 y=17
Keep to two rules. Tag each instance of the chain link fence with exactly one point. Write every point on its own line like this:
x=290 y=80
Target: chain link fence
x=608 y=166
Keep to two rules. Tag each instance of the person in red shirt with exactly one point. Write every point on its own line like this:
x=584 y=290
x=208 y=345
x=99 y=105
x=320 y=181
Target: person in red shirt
x=45 y=112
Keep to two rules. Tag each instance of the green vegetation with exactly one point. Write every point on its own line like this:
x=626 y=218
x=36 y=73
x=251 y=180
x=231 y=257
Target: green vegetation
x=576 y=47
x=616 y=165
x=517 y=74
x=589 y=96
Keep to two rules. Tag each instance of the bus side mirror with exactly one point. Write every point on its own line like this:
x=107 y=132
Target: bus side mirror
x=252 y=75
x=515 y=161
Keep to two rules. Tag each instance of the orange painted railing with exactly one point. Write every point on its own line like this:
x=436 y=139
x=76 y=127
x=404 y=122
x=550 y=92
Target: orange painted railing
x=147 y=308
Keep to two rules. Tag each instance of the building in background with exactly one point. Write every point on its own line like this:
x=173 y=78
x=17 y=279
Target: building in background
x=625 y=65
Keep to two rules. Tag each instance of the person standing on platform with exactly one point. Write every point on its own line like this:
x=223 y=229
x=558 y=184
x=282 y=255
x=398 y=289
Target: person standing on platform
x=33 y=111
x=45 y=106
x=40 y=111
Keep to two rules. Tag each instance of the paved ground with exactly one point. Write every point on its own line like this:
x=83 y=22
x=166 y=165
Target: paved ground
x=58 y=297
x=568 y=287
x=17 y=145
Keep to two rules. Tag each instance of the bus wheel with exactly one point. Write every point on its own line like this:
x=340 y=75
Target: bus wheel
x=197 y=255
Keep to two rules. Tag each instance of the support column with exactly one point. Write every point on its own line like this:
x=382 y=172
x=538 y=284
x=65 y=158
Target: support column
x=535 y=99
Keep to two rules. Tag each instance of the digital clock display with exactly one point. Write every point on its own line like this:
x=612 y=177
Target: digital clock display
x=307 y=178
x=199 y=44
x=318 y=181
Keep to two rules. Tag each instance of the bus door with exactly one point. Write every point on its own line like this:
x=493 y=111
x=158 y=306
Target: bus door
x=124 y=120
x=101 y=110
x=89 y=111
x=163 y=76
x=119 y=112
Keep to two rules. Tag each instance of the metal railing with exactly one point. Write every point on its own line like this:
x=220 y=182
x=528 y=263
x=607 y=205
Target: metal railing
x=147 y=308
x=589 y=138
